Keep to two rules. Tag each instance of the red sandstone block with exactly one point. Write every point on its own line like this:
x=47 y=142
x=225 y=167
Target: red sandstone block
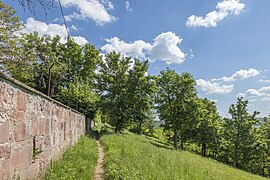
x=5 y=170
x=20 y=131
x=35 y=127
x=5 y=152
x=4 y=132
x=41 y=127
x=32 y=171
x=47 y=126
x=21 y=101
x=19 y=115
x=1 y=100
x=59 y=112
x=19 y=160
x=47 y=109
x=29 y=154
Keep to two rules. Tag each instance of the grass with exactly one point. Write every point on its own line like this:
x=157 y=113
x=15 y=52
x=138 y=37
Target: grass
x=78 y=162
x=130 y=156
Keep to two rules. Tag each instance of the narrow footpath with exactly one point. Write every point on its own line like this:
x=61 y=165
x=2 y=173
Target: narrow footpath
x=99 y=172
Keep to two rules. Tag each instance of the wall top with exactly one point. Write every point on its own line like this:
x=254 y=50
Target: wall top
x=23 y=86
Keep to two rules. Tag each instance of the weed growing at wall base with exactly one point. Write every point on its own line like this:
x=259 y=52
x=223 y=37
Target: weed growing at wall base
x=76 y=163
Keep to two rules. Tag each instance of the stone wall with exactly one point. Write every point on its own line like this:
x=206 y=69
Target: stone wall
x=34 y=130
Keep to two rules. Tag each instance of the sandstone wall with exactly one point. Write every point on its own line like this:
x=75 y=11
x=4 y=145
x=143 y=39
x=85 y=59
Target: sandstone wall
x=34 y=130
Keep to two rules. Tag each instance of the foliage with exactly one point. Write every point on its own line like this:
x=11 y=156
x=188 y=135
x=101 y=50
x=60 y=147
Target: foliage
x=208 y=119
x=65 y=71
x=141 y=93
x=177 y=103
x=112 y=84
x=240 y=127
x=76 y=163
x=117 y=91
x=127 y=93
x=10 y=26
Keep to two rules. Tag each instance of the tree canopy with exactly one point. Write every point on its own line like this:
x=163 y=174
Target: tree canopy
x=118 y=90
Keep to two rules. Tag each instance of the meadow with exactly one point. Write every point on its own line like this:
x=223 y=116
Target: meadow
x=129 y=156
x=78 y=162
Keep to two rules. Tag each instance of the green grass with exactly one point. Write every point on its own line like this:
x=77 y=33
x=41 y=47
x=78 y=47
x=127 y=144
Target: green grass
x=78 y=162
x=138 y=157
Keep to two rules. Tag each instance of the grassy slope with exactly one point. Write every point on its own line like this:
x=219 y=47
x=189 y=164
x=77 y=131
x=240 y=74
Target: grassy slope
x=137 y=157
x=76 y=163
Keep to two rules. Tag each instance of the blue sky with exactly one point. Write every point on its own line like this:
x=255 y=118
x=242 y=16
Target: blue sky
x=224 y=44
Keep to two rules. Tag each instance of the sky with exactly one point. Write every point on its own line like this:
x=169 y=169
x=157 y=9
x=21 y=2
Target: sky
x=224 y=44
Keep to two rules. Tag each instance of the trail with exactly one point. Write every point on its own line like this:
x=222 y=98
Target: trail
x=99 y=172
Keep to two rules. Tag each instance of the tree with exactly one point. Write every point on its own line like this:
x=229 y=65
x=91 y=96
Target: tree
x=39 y=64
x=176 y=103
x=261 y=151
x=141 y=93
x=241 y=138
x=82 y=97
x=265 y=133
x=10 y=27
x=79 y=78
x=206 y=131
x=112 y=85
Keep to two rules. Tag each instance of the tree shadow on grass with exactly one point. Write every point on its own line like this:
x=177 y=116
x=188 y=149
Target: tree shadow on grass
x=95 y=134
x=158 y=143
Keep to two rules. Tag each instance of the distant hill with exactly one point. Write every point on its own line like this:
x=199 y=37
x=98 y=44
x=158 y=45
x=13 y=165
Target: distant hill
x=158 y=124
x=261 y=119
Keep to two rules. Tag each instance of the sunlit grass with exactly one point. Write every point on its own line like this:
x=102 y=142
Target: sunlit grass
x=76 y=163
x=137 y=157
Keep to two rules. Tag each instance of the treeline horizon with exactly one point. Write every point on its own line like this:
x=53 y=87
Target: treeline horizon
x=117 y=90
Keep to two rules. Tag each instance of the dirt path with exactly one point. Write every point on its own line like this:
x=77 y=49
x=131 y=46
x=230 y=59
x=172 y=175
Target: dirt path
x=99 y=172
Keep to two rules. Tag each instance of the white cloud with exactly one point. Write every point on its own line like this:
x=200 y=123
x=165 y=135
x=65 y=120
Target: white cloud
x=128 y=8
x=214 y=100
x=165 y=48
x=42 y=28
x=262 y=94
x=135 y=49
x=108 y=4
x=238 y=75
x=80 y=40
x=213 y=87
x=223 y=9
x=264 y=80
x=92 y=9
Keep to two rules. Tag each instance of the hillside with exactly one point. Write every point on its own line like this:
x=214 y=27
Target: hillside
x=130 y=156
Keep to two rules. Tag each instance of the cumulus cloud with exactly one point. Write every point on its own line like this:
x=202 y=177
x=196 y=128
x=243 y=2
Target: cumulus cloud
x=213 y=87
x=80 y=40
x=165 y=47
x=239 y=75
x=96 y=10
x=42 y=28
x=261 y=94
x=223 y=9
x=128 y=8
x=135 y=49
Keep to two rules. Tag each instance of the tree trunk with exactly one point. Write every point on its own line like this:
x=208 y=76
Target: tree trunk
x=203 y=151
x=117 y=127
x=139 y=128
x=268 y=171
x=235 y=157
x=182 y=143
x=175 y=141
